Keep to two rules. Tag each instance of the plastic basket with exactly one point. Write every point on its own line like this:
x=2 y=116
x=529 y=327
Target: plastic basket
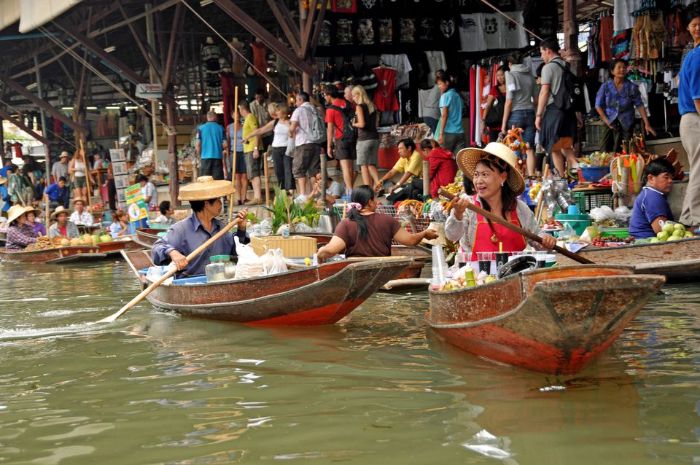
x=621 y=233
x=595 y=134
x=578 y=222
x=594 y=173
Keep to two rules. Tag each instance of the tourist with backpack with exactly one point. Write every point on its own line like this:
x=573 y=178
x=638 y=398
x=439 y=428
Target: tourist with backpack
x=558 y=108
x=341 y=134
x=308 y=130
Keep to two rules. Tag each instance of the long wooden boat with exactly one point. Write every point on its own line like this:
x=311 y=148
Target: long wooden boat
x=312 y=296
x=552 y=320
x=677 y=260
x=70 y=254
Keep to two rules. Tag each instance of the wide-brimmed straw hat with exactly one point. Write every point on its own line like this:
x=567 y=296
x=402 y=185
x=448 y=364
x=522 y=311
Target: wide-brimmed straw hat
x=468 y=158
x=16 y=211
x=205 y=188
x=58 y=211
x=2 y=180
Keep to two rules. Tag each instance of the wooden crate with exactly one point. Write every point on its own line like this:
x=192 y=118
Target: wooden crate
x=292 y=247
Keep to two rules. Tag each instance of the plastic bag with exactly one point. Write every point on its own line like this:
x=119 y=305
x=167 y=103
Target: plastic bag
x=273 y=262
x=600 y=214
x=623 y=214
x=155 y=272
x=249 y=264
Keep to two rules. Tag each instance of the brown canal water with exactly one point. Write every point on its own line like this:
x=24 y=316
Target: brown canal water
x=153 y=388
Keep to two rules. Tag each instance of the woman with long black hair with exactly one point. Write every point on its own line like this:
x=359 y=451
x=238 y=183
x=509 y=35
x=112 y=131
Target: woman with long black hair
x=365 y=233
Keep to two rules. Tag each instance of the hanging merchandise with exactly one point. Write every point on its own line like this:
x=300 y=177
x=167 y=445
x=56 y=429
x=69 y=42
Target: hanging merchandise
x=621 y=45
x=436 y=61
x=365 y=32
x=227 y=87
x=501 y=33
x=368 y=5
x=448 y=28
x=407 y=31
x=385 y=97
x=344 y=6
x=402 y=66
x=367 y=79
x=386 y=31
x=426 y=27
x=237 y=63
x=259 y=56
x=605 y=35
x=471 y=33
x=343 y=32
x=324 y=36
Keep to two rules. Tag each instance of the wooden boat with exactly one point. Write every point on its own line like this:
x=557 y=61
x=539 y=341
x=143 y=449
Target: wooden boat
x=677 y=260
x=552 y=320
x=147 y=236
x=70 y=254
x=411 y=275
x=312 y=296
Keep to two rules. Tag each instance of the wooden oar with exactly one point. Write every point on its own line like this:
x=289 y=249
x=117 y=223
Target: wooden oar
x=517 y=229
x=160 y=280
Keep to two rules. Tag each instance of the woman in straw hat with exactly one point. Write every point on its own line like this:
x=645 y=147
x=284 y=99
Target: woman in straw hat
x=20 y=233
x=498 y=183
x=62 y=227
x=205 y=197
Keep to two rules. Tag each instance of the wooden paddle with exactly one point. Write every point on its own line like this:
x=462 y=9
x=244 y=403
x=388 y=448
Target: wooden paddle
x=517 y=229
x=160 y=280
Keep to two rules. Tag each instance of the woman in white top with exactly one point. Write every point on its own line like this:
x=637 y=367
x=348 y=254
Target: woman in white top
x=282 y=157
x=78 y=172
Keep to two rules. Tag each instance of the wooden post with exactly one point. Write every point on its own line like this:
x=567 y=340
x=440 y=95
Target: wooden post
x=233 y=151
x=47 y=151
x=174 y=179
x=426 y=178
x=81 y=150
x=571 y=52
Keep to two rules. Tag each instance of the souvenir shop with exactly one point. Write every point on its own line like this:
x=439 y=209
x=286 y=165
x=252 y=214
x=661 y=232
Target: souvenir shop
x=651 y=36
x=394 y=47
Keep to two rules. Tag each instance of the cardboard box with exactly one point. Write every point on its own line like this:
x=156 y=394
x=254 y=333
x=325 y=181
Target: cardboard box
x=292 y=247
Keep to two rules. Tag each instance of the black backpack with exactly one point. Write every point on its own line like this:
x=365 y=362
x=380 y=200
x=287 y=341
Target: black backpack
x=348 y=130
x=570 y=95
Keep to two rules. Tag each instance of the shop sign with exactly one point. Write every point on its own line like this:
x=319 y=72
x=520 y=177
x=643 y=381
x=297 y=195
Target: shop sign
x=149 y=91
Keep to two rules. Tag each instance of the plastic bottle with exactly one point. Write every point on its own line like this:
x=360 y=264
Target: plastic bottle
x=439 y=267
x=216 y=269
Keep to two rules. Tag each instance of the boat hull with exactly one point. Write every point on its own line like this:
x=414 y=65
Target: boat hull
x=71 y=254
x=678 y=261
x=313 y=296
x=552 y=321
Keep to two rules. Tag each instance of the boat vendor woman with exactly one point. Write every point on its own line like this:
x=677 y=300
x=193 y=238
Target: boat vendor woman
x=365 y=233
x=185 y=236
x=651 y=206
x=20 y=233
x=498 y=183
x=62 y=227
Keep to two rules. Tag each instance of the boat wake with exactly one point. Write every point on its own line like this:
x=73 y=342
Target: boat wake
x=26 y=333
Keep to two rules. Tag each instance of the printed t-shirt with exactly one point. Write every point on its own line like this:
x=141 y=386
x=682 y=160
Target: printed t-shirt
x=211 y=136
x=413 y=164
x=249 y=125
x=649 y=205
x=380 y=231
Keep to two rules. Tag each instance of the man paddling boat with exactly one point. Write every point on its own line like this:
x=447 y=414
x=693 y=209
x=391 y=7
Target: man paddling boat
x=205 y=197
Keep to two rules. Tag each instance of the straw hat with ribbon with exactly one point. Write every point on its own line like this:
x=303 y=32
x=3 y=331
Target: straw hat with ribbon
x=206 y=188
x=16 y=211
x=58 y=211
x=467 y=160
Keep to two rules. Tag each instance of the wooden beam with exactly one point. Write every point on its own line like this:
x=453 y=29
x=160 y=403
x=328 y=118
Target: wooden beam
x=267 y=38
x=282 y=14
x=118 y=66
x=21 y=125
x=178 y=21
x=20 y=89
x=318 y=26
x=308 y=24
x=150 y=59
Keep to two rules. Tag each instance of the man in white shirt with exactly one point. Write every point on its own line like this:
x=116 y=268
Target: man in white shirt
x=307 y=151
x=81 y=217
x=60 y=170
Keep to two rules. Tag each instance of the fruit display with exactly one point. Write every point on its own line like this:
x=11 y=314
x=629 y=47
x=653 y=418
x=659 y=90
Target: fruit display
x=412 y=207
x=552 y=225
x=466 y=279
x=611 y=241
x=596 y=159
x=454 y=188
x=42 y=243
x=671 y=231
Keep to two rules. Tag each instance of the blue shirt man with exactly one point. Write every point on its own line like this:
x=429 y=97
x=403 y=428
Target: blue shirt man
x=58 y=193
x=211 y=142
x=649 y=205
x=689 y=82
x=186 y=235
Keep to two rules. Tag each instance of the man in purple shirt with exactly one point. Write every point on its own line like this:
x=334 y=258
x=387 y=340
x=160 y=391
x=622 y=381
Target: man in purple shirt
x=651 y=208
x=185 y=236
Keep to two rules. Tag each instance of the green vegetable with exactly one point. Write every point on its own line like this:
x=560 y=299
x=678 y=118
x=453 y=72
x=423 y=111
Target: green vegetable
x=285 y=210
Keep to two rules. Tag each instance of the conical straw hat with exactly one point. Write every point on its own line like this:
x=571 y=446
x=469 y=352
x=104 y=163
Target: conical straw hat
x=467 y=160
x=205 y=188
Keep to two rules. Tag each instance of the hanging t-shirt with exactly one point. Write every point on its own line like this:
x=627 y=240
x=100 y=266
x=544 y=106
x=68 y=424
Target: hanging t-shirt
x=385 y=96
x=402 y=66
x=365 y=32
x=492 y=30
x=324 y=37
x=259 y=56
x=386 y=31
x=428 y=103
x=426 y=27
x=407 y=31
x=343 y=32
x=344 y=6
x=471 y=33
x=436 y=61
x=514 y=36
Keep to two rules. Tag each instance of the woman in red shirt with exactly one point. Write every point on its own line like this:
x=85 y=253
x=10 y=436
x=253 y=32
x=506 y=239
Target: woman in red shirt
x=442 y=165
x=493 y=113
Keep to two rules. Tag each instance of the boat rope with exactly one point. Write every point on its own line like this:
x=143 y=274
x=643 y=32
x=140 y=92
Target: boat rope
x=97 y=72
x=487 y=3
x=232 y=48
x=46 y=130
x=472 y=324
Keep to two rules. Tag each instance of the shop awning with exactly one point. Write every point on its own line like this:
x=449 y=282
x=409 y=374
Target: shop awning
x=32 y=13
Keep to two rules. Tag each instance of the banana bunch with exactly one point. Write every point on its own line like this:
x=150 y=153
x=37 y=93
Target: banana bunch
x=454 y=188
x=534 y=190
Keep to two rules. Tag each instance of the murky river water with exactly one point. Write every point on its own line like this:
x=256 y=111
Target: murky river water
x=153 y=388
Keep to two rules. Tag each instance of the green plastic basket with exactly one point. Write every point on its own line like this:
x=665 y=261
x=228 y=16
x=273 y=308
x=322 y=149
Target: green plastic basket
x=622 y=233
